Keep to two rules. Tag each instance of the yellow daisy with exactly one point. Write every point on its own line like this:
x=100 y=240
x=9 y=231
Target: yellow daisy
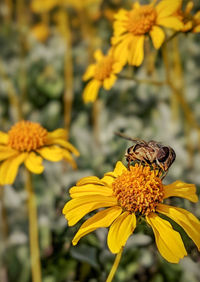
x=130 y=28
x=190 y=22
x=127 y=195
x=102 y=73
x=38 y=6
x=28 y=142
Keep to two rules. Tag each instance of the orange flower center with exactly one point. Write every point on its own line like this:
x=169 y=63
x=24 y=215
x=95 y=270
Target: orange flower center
x=27 y=136
x=138 y=190
x=141 y=20
x=103 y=68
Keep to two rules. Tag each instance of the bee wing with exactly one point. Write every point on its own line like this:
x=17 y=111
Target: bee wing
x=137 y=140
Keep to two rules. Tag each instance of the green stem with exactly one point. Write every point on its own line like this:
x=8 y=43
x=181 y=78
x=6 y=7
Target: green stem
x=115 y=266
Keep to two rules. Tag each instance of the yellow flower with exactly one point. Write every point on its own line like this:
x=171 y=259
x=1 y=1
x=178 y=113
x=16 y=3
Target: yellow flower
x=103 y=73
x=128 y=194
x=130 y=28
x=190 y=22
x=40 y=32
x=28 y=142
x=38 y=6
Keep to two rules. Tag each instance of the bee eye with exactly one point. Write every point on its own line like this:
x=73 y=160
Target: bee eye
x=163 y=154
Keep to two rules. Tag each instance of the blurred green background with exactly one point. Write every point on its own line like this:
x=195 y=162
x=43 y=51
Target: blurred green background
x=44 y=50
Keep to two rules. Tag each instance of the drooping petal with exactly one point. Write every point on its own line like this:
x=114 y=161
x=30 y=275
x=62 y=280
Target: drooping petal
x=91 y=91
x=167 y=7
x=109 y=82
x=64 y=144
x=57 y=134
x=168 y=241
x=9 y=168
x=90 y=189
x=182 y=190
x=7 y=152
x=69 y=158
x=77 y=208
x=101 y=219
x=51 y=153
x=185 y=219
x=136 y=52
x=121 y=47
x=89 y=72
x=157 y=36
x=170 y=22
x=34 y=163
x=3 y=138
x=120 y=231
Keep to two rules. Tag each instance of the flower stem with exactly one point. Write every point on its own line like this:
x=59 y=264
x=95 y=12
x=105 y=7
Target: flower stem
x=33 y=231
x=115 y=266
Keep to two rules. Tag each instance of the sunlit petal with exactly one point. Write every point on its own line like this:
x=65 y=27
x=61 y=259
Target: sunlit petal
x=101 y=219
x=34 y=163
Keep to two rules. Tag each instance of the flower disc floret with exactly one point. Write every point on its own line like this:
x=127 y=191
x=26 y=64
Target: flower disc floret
x=26 y=136
x=141 y=20
x=103 y=68
x=138 y=190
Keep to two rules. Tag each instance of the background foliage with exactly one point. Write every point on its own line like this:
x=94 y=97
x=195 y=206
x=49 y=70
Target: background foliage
x=42 y=69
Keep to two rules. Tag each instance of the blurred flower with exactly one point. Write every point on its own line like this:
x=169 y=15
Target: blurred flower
x=103 y=73
x=28 y=142
x=130 y=28
x=40 y=32
x=80 y=4
x=38 y=6
x=128 y=194
x=190 y=22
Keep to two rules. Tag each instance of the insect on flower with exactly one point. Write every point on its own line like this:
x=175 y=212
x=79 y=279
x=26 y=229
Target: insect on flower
x=151 y=153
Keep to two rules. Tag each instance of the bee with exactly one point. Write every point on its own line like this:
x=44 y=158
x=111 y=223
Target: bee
x=152 y=153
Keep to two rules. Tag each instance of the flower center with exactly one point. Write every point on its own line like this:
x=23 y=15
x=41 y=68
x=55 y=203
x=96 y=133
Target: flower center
x=27 y=136
x=141 y=20
x=138 y=190
x=103 y=68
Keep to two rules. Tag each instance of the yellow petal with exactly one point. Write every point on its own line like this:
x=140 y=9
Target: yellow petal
x=117 y=67
x=98 y=55
x=121 y=50
x=77 y=208
x=108 y=82
x=101 y=219
x=189 y=7
x=120 y=230
x=34 y=163
x=3 y=138
x=68 y=157
x=182 y=190
x=91 y=91
x=157 y=36
x=136 y=53
x=167 y=7
x=89 y=72
x=119 y=169
x=168 y=241
x=7 y=152
x=170 y=22
x=64 y=144
x=90 y=189
x=121 y=15
x=51 y=153
x=196 y=29
x=89 y=180
x=9 y=168
x=108 y=180
x=57 y=134
x=185 y=219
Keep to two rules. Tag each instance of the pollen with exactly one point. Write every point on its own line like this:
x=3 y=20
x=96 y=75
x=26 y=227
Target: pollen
x=104 y=68
x=26 y=136
x=141 y=20
x=138 y=190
